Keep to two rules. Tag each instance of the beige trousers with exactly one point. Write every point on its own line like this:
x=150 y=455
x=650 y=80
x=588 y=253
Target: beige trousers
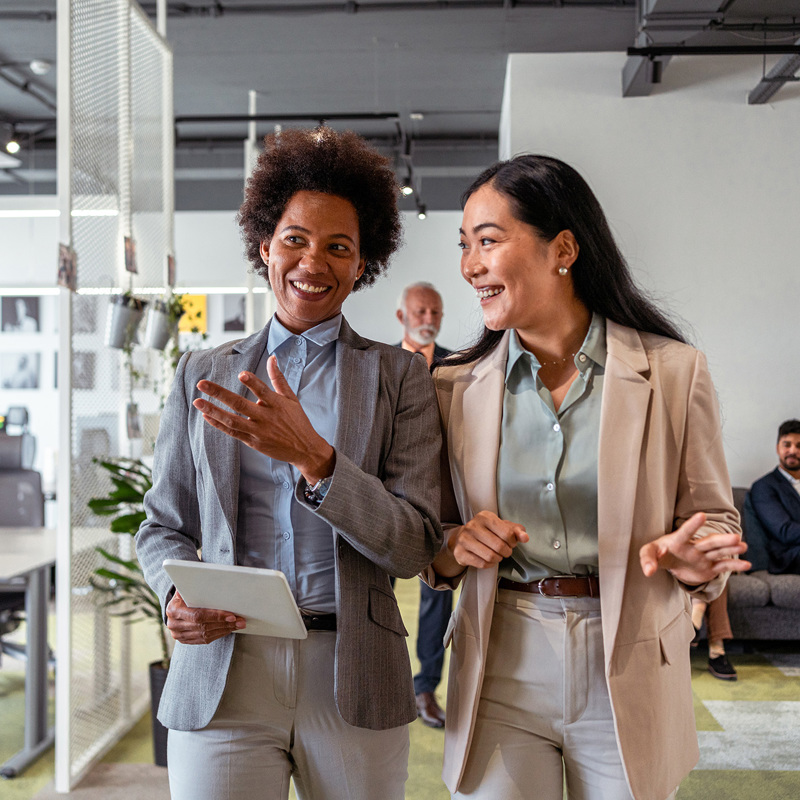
x=277 y=721
x=544 y=719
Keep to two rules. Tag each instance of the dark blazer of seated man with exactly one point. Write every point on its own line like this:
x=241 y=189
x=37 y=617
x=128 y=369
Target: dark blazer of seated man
x=776 y=501
x=420 y=312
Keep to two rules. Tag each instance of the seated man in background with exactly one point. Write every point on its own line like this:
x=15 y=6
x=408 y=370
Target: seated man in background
x=420 y=313
x=776 y=501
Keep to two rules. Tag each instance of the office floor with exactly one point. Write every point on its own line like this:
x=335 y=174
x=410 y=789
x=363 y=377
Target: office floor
x=749 y=735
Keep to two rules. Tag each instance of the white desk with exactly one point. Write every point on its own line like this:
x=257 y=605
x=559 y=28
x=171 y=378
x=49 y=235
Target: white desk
x=28 y=553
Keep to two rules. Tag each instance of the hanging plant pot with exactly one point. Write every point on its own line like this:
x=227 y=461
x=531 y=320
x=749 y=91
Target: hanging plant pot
x=124 y=315
x=160 y=326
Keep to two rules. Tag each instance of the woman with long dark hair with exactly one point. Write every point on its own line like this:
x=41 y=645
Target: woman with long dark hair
x=590 y=500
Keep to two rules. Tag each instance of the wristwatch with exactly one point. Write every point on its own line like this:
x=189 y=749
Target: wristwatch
x=316 y=494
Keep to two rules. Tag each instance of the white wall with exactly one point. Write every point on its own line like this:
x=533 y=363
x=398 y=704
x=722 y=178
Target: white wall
x=702 y=193
x=209 y=252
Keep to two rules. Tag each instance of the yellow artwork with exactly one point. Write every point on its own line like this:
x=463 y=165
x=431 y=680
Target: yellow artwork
x=195 y=317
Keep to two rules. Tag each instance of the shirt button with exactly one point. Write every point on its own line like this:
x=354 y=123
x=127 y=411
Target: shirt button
x=298 y=340
x=556 y=545
x=296 y=360
x=550 y=487
x=556 y=427
x=287 y=535
x=582 y=358
x=286 y=484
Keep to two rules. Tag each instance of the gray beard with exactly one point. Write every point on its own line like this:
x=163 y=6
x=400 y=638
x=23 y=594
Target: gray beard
x=423 y=335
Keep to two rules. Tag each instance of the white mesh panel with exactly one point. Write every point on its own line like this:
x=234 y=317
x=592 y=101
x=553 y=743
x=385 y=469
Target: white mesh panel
x=120 y=72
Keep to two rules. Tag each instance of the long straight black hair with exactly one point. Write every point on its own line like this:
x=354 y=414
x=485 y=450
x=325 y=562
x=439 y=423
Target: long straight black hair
x=551 y=196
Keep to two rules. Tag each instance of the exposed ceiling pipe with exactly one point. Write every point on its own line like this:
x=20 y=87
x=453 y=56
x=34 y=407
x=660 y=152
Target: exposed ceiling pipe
x=656 y=51
x=26 y=86
x=783 y=72
x=219 y=9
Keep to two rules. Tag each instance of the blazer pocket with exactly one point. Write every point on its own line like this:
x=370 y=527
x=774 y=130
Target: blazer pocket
x=383 y=611
x=674 y=639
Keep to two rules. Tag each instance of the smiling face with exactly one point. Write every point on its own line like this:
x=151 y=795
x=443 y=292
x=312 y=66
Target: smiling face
x=789 y=453
x=513 y=270
x=313 y=258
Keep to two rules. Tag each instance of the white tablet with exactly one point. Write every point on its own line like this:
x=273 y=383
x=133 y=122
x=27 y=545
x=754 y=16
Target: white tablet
x=261 y=596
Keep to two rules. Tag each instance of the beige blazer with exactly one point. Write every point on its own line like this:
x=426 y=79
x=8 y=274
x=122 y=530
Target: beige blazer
x=660 y=461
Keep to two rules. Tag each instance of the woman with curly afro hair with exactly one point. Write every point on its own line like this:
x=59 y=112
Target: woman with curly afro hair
x=308 y=449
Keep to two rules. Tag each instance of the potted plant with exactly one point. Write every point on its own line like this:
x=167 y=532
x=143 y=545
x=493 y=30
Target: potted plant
x=122 y=581
x=124 y=314
x=162 y=321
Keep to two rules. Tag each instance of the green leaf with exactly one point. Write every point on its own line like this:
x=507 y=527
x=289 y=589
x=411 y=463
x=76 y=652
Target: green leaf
x=128 y=523
x=133 y=566
x=114 y=576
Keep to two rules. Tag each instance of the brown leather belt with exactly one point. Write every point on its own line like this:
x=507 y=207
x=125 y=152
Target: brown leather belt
x=318 y=622
x=559 y=586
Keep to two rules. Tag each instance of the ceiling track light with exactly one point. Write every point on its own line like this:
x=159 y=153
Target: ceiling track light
x=406 y=187
x=9 y=140
x=422 y=210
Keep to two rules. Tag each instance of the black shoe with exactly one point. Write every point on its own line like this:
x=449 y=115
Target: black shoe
x=696 y=640
x=721 y=668
x=429 y=711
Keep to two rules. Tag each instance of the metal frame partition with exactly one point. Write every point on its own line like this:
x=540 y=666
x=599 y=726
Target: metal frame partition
x=115 y=179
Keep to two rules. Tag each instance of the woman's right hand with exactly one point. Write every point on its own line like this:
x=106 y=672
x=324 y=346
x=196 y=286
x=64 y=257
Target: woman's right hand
x=485 y=540
x=199 y=625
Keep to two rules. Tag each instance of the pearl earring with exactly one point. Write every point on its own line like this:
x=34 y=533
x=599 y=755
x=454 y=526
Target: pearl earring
x=562 y=270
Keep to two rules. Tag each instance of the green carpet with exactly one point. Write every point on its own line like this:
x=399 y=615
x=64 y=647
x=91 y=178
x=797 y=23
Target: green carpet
x=749 y=730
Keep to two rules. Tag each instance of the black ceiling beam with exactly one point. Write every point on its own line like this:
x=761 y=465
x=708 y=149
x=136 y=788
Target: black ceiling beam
x=277 y=118
x=657 y=51
x=220 y=9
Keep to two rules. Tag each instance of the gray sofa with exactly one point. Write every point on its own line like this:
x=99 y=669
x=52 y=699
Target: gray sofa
x=760 y=605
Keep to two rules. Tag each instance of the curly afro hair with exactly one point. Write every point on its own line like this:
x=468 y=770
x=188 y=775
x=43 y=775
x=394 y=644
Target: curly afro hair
x=322 y=160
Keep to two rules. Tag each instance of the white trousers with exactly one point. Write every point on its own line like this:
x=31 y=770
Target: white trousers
x=277 y=721
x=544 y=718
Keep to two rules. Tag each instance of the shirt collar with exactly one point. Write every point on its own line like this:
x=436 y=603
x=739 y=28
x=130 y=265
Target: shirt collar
x=593 y=347
x=794 y=481
x=322 y=334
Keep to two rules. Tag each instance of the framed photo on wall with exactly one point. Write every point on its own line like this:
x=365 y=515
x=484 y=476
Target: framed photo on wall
x=20 y=315
x=19 y=370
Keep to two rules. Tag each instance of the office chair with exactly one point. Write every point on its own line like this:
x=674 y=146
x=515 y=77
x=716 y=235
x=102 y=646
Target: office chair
x=21 y=506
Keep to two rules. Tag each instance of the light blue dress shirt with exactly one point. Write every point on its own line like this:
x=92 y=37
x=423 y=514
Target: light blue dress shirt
x=273 y=530
x=547 y=465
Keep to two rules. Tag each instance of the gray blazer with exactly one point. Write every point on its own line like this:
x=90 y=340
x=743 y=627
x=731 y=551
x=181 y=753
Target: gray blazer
x=382 y=505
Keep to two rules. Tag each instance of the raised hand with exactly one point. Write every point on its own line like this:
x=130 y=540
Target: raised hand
x=692 y=558
x=274 y=424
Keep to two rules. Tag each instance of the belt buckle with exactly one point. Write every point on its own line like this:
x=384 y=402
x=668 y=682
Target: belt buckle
x=554 y=578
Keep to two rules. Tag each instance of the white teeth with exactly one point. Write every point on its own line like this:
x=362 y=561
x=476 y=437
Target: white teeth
x=484 y=293
x=304 y=287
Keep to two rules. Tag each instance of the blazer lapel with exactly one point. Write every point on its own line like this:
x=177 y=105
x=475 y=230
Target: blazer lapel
x=474 y=447
x=626 y=400
x=357 y=382
x=222 y=450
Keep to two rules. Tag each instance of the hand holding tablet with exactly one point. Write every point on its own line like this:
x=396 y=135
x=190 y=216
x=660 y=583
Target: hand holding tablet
x=261 y=596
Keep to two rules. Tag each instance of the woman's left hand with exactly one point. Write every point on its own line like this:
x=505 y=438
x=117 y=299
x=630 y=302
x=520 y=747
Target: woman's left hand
x=694 y=560
x=275 y=424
